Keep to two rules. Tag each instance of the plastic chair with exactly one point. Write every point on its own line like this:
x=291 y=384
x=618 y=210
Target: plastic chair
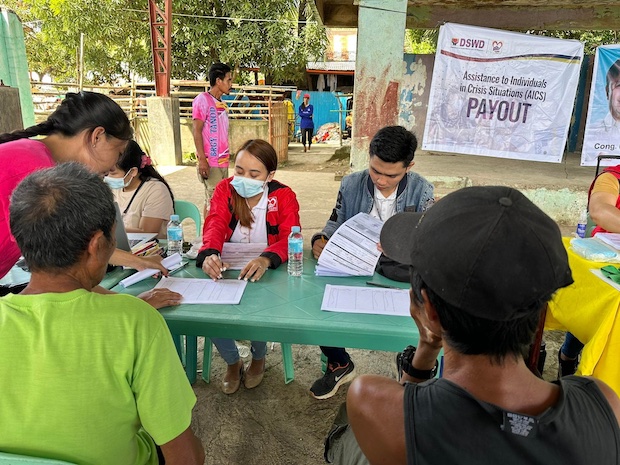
x=12 y=459
x=187 y=209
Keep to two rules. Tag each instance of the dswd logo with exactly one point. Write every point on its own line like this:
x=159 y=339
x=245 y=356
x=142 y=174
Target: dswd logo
x=477 y=44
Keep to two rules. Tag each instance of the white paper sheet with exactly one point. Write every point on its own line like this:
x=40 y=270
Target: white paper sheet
x=205 y=291
x=355 y=299
x=238 y=254
x=352 y=250
x=171 y=262
x=612 y=239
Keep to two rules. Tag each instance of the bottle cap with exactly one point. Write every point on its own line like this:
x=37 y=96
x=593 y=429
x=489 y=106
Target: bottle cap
x=296 y=229
x=174 y=217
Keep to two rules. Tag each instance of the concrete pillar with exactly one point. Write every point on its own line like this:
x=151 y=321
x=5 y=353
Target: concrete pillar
x=164 y=130
x=379 y=69
x=11 y=114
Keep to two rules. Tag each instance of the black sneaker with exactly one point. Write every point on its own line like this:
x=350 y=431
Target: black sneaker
x=566 y=367
x=334 y=377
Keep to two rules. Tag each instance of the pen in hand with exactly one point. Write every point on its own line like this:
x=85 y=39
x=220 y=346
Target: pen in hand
x=385 y=286
x=178 y=268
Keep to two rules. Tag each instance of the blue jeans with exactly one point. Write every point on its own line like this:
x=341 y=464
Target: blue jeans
x=571 y=346
x=229 y=352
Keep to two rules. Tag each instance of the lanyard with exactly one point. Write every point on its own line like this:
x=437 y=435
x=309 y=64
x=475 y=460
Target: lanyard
x=133 y=197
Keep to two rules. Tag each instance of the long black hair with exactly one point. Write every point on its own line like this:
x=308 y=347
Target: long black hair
x=78 y=112
x=134 y=157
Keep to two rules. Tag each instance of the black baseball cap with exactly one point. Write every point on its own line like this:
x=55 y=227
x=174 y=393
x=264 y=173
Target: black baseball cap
x=487 y=250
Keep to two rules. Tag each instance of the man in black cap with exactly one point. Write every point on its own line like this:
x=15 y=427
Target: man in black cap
x=484 y=262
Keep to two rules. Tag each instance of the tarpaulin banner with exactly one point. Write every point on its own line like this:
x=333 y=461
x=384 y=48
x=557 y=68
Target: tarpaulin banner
x=602 y=132
x=501 y=94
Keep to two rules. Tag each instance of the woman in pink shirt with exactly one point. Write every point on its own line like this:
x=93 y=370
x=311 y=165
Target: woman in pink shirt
x=88 y=128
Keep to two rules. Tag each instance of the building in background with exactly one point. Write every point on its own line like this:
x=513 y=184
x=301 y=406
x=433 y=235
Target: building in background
x=336 y=71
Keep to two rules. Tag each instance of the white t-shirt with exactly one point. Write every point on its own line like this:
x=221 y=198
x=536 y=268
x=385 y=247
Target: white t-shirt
x=383 y=207
x=152 y=201
x=257 y=234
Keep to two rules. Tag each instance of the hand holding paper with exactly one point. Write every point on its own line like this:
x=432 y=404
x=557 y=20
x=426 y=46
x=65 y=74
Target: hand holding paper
x=169 y=262
x=352 y=250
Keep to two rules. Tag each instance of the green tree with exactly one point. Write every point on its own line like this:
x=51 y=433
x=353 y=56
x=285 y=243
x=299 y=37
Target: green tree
x=590 y=39
x=422 y=41
x=114 y=41
x=265 y=35
x=425 y=40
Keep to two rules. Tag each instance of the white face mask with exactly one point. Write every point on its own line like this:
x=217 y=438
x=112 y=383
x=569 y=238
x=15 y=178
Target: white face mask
x=247 y=187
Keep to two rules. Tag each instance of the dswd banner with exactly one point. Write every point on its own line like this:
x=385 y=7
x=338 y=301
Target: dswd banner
x=602 y=132
x=501 y=94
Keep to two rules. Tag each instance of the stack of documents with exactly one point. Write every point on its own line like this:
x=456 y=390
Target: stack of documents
x=352 y=250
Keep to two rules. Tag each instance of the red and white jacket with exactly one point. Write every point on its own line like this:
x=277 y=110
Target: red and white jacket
x=282 y=215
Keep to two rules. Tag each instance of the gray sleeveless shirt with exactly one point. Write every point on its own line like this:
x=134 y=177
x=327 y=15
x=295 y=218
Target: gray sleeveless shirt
x=446 y=425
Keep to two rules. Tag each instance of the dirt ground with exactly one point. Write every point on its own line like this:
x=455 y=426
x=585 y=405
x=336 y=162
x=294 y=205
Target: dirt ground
x=279 y=423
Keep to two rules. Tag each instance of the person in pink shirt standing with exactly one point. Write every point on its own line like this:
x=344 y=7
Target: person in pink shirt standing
x=210 y=130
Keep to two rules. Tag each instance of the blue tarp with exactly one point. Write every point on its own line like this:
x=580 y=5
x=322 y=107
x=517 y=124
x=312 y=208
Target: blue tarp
x=323 y=103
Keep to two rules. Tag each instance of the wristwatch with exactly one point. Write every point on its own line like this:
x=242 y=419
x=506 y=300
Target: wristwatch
x=407 y=367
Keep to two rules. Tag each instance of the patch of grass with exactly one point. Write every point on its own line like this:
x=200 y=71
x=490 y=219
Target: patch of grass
x=189 y=158
x=342 y=153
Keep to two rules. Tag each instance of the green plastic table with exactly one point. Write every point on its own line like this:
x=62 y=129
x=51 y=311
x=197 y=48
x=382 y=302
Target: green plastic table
x=111 y=279
x=282 y=309
x=115 y=276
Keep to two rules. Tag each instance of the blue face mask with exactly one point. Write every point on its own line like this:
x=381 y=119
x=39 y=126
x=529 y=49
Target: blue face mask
x=247 y=187
x=116 y=183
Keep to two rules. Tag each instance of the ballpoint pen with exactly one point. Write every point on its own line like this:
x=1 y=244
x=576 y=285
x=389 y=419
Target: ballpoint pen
x=180 y=267
x=385 y=286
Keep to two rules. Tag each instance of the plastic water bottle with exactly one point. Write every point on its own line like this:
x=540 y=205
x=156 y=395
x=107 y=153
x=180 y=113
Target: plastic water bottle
x=581 y=225
x=175 y=236
x=295 y=252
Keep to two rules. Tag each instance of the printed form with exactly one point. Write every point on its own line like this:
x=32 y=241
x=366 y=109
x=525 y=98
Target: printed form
x=355 y=299
x=238 y=254
x=352 y=250
x=205 y=291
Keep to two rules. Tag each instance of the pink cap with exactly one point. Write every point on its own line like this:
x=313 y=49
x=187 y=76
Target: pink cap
x=306 y=95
